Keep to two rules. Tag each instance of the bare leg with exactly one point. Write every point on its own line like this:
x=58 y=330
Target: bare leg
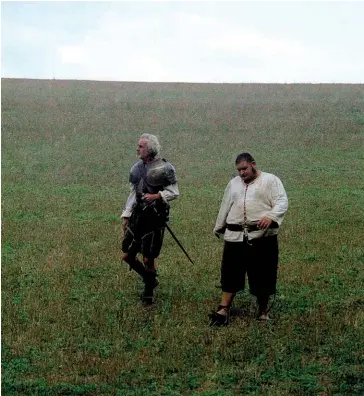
x=226 y=300
x=135 y=264
x=146 y=271
x=221 y=316
x=263 y=307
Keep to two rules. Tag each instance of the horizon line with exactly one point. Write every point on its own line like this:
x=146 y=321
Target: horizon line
x=181 y=82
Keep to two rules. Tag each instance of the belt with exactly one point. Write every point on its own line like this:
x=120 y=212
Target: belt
x=250 y=227
x=141 y=205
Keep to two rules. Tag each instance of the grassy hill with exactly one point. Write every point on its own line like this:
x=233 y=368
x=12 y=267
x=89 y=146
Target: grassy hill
x=72 y=322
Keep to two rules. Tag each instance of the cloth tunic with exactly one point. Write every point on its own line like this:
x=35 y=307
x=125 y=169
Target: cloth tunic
x=246 y=203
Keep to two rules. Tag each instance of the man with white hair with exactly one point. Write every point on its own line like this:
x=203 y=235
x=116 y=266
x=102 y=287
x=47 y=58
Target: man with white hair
x=153 y=185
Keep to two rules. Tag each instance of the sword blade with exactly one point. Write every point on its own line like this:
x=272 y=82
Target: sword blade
x=171 y=232
x=179 y=243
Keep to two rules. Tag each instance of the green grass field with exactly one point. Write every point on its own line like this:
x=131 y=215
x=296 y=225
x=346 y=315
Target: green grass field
x=72 y=321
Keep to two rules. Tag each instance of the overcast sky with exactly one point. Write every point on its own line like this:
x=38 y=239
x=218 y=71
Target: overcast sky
x=184 y=41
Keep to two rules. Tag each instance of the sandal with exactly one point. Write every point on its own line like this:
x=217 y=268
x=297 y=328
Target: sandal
x=264 y=318
x=218 y=319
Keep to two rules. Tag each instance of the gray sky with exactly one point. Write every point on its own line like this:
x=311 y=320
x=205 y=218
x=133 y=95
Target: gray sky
x=186 y=41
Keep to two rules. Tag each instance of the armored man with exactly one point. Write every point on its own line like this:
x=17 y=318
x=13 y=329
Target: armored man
x=153 y=185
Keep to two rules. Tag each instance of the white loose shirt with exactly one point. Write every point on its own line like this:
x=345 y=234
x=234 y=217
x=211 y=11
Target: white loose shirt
x=168 y=194
x=265 y=196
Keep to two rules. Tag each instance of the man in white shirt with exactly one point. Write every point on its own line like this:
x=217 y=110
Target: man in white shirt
x=153 y=185
x=250 y=215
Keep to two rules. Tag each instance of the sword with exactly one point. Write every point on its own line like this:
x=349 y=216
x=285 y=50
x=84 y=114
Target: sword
x=178 y=242
x=152 y=205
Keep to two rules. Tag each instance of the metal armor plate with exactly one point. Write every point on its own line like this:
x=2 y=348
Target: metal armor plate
x=160 y=173
x=148 y=177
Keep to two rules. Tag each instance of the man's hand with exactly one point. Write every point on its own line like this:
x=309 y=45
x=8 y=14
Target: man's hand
x=264 y=223
x=125 y=223
x=150 y=197
x=220 y=232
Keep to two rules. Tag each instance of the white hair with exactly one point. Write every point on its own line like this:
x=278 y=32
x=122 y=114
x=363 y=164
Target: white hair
x=153 y=145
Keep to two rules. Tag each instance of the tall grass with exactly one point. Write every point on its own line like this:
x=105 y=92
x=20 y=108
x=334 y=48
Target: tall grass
x=72 y=322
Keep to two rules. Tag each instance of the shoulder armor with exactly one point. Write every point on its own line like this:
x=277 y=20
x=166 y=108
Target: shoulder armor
x=170 y=173
x=161 y=173
x=136 y=172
